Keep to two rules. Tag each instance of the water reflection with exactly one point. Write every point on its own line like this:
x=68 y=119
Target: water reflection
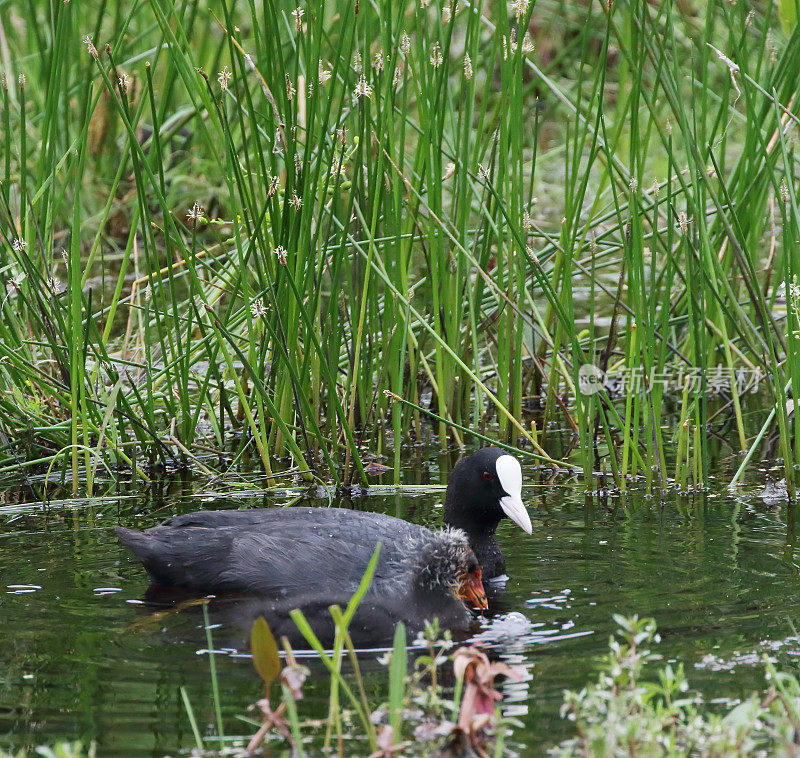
x=87 y=655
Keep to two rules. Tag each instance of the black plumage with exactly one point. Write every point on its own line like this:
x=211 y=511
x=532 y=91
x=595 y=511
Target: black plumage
x=472 y=503
x=279 y=551
x=310 y=558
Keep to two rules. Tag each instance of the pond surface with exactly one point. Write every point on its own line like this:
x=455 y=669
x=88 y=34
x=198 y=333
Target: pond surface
x=82 y=657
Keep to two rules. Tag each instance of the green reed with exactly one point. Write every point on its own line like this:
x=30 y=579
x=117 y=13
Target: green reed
x=274 y=214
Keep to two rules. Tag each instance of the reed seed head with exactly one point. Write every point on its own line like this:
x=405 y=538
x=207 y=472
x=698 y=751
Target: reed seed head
x=298 y=19
x=91 y=49
x=324 y=73
x=363 y=89
x=257 y=308
x=784 y=191
x=527 y=43
x=520 y=8
x=224 y=77
x=195 y=213
x=467 y=67
x=794 y=290
x=19 y=244
x=593 y=243
x=436 y=55
x=280 y=254
x=527 y=222
x=397 y=78
x=772 y=47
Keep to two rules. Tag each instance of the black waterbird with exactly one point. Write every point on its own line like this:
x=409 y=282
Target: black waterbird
x=310 y=558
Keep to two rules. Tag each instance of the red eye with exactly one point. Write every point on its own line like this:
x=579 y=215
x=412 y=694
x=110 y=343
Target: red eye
x=487 y=477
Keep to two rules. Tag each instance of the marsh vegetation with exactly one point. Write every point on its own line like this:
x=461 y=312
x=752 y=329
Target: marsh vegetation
x=304 y=237
x=247 y=247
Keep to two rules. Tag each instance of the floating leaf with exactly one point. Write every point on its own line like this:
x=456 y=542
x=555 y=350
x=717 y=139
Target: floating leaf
x=265 y=651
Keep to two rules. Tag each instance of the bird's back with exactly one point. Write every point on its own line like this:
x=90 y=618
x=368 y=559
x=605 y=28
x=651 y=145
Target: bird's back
x=274 y=552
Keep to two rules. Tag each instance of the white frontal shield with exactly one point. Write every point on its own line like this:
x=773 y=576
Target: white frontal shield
x=509 y=474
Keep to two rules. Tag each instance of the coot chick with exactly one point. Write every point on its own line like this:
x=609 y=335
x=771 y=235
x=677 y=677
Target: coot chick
x=442 y=579
x=420 y=574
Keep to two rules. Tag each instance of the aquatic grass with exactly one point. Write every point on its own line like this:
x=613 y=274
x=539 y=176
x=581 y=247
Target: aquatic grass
x=334 y=662
x=213 y=673
x=187 y=704
x=395 y=197
x=398 y=666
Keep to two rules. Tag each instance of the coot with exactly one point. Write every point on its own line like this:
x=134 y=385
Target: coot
x=309 y=557
x=420 y=574
x=483 y=489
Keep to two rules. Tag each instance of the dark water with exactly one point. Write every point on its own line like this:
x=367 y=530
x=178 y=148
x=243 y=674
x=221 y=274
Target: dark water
x=82 y=658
